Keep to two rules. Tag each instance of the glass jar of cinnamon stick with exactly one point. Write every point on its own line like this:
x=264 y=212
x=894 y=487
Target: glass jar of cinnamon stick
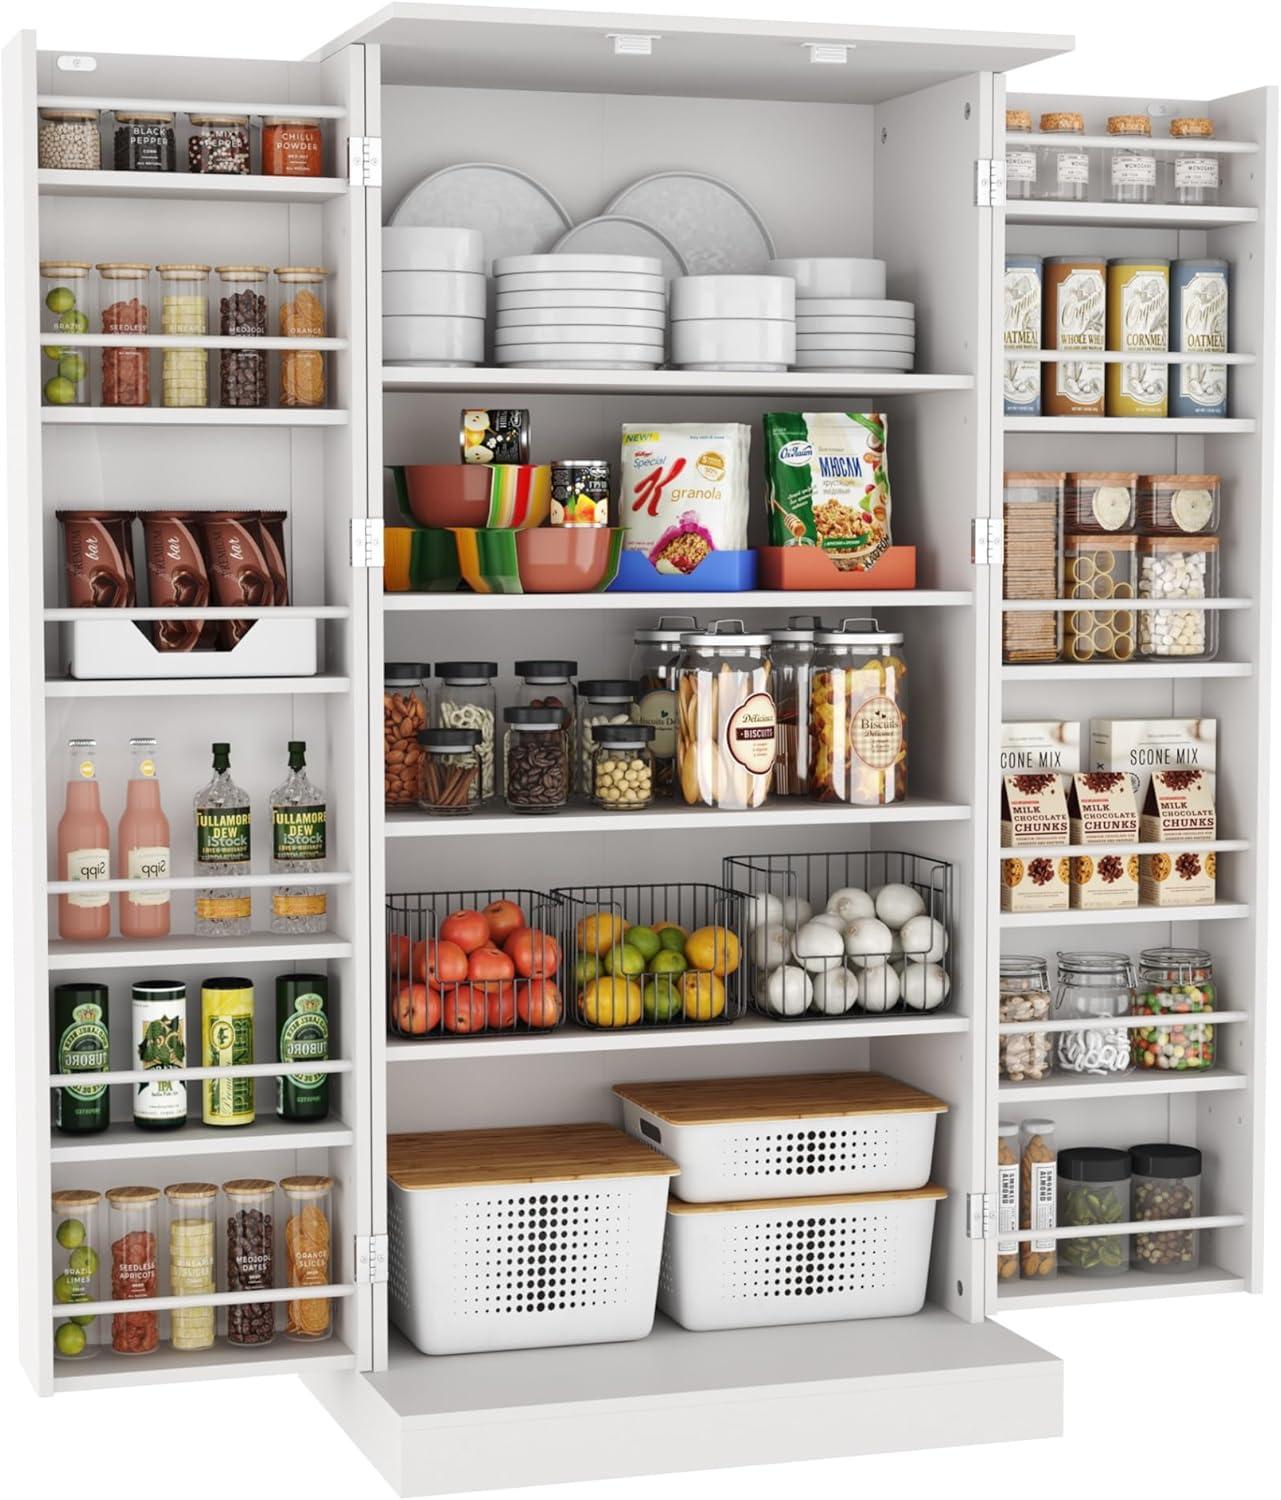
x=449 y=771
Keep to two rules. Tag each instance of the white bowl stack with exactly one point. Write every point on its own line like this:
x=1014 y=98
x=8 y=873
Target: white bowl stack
x=843 y=319
x=433 y=296
x=733 y=322
x=585 y=312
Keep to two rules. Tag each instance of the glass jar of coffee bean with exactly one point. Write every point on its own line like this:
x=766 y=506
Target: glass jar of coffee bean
x=537 y=759
x=622 y=767
x=251 y=1258
x=242 y=313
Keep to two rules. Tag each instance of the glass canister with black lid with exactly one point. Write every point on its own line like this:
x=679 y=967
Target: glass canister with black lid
x=858 y=715
x=1094 y=1190
x=404 y=719
x=465 y=699
x=621 y=776
x=793 y=654
x=1167 y=1185
x=450 y=771
x=537 y=759
x=1094 y=990
x=602 y=700
x=656 y=654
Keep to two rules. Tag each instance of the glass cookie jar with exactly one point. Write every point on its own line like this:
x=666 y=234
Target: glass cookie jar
x=1174 y=984
x=858 y=715
x=726 y=731
x=1094 y=989
x=1024 y=998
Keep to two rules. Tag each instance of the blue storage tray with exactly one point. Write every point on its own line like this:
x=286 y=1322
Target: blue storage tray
x=719 y=572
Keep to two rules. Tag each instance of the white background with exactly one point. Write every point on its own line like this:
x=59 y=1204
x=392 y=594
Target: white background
x=1174 y=1397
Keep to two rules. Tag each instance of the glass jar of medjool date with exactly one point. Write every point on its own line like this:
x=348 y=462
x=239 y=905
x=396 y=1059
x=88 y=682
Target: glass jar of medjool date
x=242 y=313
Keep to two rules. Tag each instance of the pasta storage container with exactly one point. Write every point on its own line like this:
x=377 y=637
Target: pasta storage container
x=736 y=1138
x=808 y=1260
x=726 y=726
x=858 y=715
x=523 y=1238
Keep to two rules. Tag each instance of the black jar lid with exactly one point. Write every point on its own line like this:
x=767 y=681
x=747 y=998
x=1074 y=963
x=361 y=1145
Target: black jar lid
x=405 y=671
x=622 y=734
x=463 y=671
x=535 y=718
x=607 y=688
x=1164 y=1160
x=449 y=739
x=1094 y=1164
x=547 y=671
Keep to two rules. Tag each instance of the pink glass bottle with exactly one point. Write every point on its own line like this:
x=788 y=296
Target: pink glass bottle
x=143 y=847
x=84 y=853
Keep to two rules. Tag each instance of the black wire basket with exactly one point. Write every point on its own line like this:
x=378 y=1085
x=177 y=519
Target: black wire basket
x=867 y=973
x=689 y=970
x=514 y=988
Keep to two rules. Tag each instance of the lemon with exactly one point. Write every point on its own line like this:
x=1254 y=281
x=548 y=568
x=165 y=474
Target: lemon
x=703 y=996
x=599 y=932
x=713 y=949
x=611 y=1001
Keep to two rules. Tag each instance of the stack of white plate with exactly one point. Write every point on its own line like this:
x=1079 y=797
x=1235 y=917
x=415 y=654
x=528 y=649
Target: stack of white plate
x=433 y=296
x=584 y=312
x=733 y=322
x=843 y=321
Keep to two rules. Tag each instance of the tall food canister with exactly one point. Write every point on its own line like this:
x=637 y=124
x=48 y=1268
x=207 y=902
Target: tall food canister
x=1138 y=324
x=193 y=1250
x=1020 y=155
x=302 y=1037
x=77 y=1262
x=1199 y=325
x=656 y=655
x=66 y=309
x=1022 y=380
x=1074 y=295
x=726 y=723
x=793 y=654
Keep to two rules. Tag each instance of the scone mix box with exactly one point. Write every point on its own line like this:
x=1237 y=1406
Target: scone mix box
x=1035 y=759
x=1141 y=746
x=1179 y=810
x=1102 y=812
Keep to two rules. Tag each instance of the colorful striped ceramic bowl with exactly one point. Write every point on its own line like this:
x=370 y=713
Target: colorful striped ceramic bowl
x=510 y=497
x=553 y=560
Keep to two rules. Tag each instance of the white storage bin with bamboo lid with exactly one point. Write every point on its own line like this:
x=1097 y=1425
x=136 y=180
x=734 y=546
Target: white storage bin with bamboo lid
x=786 y=1137
x=524 y=1238
x=761 y=1262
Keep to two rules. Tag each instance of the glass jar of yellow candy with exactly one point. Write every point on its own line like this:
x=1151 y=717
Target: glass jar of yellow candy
x=858 y=715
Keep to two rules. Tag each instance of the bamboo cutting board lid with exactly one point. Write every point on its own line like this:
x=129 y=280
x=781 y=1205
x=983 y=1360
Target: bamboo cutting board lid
x=831 y=1200
x=534 y=1153
x=801 y=1096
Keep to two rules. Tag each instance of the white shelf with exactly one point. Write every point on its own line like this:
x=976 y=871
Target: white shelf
x=1128 y=215
x=1071 y=606
x=1055 y=851
x=498 y=821
x=1161 y=144
x=187 y=341
x=1221 y=911
x=834 y=384
x=1130 y=426
x=194 y=687
x=200 y=882
x=123 y=1141
x=749 y=1030
x=1090 y=1023
x=1069 y=1291
x=205 y=612
x=294 y=110
x=192 y=416
x=196 y=1075
x=852 y=601
x=1127 y=670
x=1117 y=357
x=281 y=1357
x=1151 y=1081
x=202 y=187
x=184 y=948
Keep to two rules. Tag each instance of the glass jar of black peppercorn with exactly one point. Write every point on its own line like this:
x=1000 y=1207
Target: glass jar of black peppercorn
x=251 y=1258
x=144 y=142
x=537 y=761
x=242 y=313
x=219 y=144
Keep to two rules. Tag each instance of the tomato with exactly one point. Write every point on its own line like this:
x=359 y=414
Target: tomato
x=464 y=1010
x=504 y=917
x=417 y=1009
x=441 y=963
x=535 y=954
x=500 y=1006
x=538 y=1002
x=487 y=965
x=399 y=952
x=469 y=929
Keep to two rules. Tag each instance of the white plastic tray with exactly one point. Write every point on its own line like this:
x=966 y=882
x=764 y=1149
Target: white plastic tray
x=108 y=647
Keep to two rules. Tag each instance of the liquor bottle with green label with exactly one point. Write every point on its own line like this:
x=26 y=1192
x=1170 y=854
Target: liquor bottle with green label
x=223 y=847
x=82 y=1044
x=298 y=819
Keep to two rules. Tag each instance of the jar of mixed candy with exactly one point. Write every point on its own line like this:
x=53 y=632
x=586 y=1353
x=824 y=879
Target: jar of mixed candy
x=858 y=715
x=1167 y=1185
x=77 y=1258
x=1094 y=1188
x=1174 y=982
x=1025 y=997
x=1094 y=989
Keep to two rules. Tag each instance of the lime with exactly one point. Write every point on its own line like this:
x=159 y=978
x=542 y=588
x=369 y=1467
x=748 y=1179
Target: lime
x=69 y=1340
x=661 y=998
x=83 y=1261
x=645 y=940
x=82 y=1320
x=51 y=351
x=672 y=939
x=60 y=299
x=73 y=322
x=668 y=961
x=59 y=392
x=72 y=366
x=586 y=968
x=71 y=1232
x=66 y=1288
x=624 y=959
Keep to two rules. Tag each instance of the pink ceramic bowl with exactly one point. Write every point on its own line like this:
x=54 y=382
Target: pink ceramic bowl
x=567 y=559
x=507 y=496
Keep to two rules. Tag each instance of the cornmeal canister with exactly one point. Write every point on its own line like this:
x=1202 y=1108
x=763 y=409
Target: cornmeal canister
x=1022 y=335
x=1199 y=325
x=1138 y=324
x=1074 y=295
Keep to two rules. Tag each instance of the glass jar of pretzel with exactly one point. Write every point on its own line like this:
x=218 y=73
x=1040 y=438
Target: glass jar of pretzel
x=1100 y=570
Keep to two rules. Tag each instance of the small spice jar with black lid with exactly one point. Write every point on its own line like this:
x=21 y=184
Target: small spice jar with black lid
x=622 y=767
x=449 y=771
x=1167 y=1185
x=1093 y=1189
x=537 y=760
x=144 y=141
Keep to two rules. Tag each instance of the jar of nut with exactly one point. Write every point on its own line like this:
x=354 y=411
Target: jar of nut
x=601 y=701
x=1038 y=1198
x=1007 y=1199
x=404 y=719
x=1097 y=568
x=622 y=767
x=1167 y=1185
x=1025 y=997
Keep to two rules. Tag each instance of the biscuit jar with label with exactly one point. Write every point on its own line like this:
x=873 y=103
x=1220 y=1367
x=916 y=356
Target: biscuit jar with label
x=858 y=715
x=726 y=725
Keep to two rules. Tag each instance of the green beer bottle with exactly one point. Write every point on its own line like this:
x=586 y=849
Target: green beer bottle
x=81 y=1044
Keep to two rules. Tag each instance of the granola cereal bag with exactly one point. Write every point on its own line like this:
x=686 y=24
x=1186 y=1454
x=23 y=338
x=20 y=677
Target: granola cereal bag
x=684 y=491
x=828 y=484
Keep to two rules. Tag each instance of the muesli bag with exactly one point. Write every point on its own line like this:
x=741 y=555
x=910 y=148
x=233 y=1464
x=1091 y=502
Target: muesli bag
x=828 y=484
x=684 y=491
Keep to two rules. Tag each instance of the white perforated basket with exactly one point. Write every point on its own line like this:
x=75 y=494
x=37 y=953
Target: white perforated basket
x=811 y=1260
x=789 y=1137
x=524 y=1265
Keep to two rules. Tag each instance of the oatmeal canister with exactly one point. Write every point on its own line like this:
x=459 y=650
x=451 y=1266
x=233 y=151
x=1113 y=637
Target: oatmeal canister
x=1138 y=324
x=1199 y=325
x=1075 y=300
x=1022 y=335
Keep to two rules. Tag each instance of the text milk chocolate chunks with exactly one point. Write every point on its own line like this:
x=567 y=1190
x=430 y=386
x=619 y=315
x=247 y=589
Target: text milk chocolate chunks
x=98 y=557
x=1102 y=811
x=1179 y=809
x=1034 y=814
x=176 y=574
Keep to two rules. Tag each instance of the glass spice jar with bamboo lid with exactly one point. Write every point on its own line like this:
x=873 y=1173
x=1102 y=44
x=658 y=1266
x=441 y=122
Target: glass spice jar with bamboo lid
x=1063 y=165
x=192 y=1259
x=308 y=1254
x=1194 y=172
x=301 y=314
x=1020 y=155
x=1131 y=168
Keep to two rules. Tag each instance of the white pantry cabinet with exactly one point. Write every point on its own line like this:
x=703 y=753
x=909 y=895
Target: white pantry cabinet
x=878 y=147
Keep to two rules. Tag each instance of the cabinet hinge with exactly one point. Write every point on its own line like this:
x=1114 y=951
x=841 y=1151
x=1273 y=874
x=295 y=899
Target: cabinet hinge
x=987 y=541
x=366 y=542
x=365 y=160
x=980 y=1215
x=989 y=183
x=371 y=1259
